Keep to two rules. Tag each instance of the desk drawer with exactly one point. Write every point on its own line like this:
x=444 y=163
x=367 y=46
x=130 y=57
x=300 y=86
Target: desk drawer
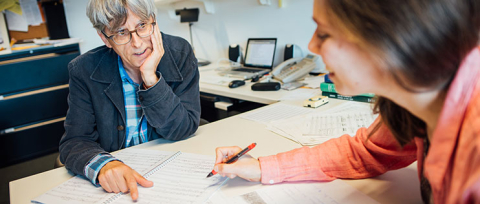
x=35 y=74
x=34 y=107
x=22 y=145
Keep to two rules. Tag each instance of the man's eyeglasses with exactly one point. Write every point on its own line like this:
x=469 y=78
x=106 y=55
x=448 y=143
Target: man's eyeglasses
x=124 y=36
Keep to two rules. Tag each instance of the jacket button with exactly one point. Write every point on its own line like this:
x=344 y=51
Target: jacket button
x=120 y=127
x=140 y=98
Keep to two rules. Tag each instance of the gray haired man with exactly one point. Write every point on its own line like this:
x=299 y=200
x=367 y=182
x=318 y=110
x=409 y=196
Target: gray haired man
x=140 y=86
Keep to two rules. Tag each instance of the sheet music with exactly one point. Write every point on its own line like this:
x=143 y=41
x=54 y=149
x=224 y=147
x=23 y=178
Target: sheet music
x=77 y=190
x=80 y=190
x=320 y=126
x=340 y=123
x=334 y=192
x=181 y=181
x=275 y=112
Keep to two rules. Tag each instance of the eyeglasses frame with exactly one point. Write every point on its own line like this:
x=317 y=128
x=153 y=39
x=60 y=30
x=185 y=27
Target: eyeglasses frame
x=130 y=32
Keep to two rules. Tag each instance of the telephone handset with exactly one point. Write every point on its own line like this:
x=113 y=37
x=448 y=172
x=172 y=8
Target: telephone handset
x=294 y=68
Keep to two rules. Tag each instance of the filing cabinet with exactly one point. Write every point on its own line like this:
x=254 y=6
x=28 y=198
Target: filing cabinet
x=33 y=101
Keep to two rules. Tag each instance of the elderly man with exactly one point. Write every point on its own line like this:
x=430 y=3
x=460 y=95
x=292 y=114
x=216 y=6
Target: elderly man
x=142 y=85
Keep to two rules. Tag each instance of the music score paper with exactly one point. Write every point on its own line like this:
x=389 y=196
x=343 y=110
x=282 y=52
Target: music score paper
x=334 y=192
x=320 y=126
x=178 y=178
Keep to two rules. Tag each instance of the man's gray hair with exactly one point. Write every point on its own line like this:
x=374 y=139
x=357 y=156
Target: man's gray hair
x=113 y=13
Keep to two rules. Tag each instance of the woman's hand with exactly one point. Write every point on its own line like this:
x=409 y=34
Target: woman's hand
x=246 y=167
x=149 y=67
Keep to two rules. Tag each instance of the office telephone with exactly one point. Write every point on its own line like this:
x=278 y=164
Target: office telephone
x=294 y=68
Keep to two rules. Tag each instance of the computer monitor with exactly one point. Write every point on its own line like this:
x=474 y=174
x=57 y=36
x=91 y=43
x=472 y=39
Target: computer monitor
x=260 y=52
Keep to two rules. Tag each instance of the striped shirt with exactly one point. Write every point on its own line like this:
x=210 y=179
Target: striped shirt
x=136 y=125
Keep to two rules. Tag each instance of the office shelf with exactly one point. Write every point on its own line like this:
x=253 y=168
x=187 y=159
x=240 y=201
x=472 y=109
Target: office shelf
x=33 y=101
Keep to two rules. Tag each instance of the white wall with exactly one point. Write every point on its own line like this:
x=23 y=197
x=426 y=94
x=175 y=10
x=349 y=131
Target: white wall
x=233 y=22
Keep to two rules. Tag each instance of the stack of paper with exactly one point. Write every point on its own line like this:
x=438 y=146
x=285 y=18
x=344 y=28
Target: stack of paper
x=320 y=126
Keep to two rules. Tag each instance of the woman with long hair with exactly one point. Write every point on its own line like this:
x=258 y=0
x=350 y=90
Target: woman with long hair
x=421 y=58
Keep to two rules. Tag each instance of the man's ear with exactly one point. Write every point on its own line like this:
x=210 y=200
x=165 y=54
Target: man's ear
x=104 y=39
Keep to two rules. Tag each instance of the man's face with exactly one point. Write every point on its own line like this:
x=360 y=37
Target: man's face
x=134 y=53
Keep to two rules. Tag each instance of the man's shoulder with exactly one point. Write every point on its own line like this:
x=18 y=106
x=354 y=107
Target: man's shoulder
x=89 y=61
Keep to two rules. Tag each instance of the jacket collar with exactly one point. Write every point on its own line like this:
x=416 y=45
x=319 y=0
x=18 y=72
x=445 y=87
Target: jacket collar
x=451 y=118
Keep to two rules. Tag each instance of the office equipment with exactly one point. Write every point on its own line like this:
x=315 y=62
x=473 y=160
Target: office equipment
x=266 y=86
x=330 y=87
x=327 y=79
x=259 y=58
x=178 y=177
x=359 y=98
x=235 y=55
x=235 y=157
x=236 y=83
x=288 y=52
x=189 y=16
x=315 y=101
x=294 y=68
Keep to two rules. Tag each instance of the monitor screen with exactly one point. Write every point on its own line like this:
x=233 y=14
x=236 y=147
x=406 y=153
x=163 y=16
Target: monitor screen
x=260 y=52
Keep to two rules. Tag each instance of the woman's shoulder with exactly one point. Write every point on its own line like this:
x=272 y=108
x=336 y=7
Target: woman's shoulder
x=471 y=123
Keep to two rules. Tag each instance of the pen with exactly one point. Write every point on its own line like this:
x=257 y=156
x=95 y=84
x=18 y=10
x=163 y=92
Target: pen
x=235 y=158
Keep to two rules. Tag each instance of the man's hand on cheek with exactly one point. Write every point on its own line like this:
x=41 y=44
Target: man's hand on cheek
x=149 y=67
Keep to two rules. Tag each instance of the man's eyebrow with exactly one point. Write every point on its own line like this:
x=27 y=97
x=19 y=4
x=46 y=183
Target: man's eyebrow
x=120 y=29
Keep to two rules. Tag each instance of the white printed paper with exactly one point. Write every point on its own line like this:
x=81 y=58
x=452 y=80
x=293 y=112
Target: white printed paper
x=320 y=126
x=334 y=192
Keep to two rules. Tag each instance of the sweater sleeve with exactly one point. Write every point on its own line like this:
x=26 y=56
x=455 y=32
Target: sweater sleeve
x=354 y=157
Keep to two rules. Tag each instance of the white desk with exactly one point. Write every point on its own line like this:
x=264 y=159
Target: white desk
x=400 y=186
x=243 y=92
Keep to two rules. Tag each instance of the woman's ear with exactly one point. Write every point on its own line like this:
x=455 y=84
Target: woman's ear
x=104 y=39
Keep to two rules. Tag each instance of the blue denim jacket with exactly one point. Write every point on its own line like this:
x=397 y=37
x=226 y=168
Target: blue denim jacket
x=95 y=120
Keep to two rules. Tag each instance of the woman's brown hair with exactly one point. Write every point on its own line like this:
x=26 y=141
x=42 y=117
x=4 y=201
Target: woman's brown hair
x=422 y=42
